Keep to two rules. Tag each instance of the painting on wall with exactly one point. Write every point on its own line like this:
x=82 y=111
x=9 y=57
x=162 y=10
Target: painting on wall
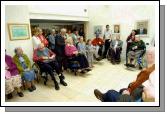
x=18 y=31
x=142 y=27
x=116 y=28
x=98 y=29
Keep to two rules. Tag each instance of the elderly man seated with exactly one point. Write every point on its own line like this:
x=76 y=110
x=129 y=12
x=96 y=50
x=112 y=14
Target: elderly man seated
x=115 y=50
x=98 y=43
x=136 y=50
x=46 y=60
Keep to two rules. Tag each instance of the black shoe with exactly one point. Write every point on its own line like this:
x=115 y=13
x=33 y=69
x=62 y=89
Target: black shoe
x=30 y=89
x=9 y=96
x=88 y=69
x=131 y=65
x=127 y=64
x=57 y=87
x=98 y=94
x=33 y=87
x=113 y=62
x=62 y=80
x=140 y=68
x=20 y=94
x=83 y=72
x=63 y=83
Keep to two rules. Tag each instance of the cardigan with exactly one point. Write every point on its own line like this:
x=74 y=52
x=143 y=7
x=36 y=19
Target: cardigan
x=18 y=64
x=12 y=66
x=141 y=77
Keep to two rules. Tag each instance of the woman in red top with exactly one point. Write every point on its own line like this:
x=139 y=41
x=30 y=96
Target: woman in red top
x=42 y=38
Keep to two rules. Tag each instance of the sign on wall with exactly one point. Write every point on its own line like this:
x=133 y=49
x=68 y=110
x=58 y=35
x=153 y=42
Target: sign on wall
x=18 y=31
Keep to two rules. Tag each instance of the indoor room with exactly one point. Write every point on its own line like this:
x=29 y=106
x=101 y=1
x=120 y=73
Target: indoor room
x=104 y=48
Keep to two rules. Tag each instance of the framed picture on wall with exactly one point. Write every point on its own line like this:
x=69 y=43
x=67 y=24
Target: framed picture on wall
x=142 y=27
x=116 y=28
x=98 y=29
x=18 y=31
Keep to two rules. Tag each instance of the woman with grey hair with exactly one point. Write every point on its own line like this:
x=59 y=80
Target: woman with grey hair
x=24 y=67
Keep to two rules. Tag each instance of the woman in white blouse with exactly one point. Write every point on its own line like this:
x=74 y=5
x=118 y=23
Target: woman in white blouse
x=35 y=39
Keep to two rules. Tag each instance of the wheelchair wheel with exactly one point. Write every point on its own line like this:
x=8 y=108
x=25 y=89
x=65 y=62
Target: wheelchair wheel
x=37 y=71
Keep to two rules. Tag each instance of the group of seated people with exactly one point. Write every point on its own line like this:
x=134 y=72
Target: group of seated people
x=18 y=72
x=52 y=55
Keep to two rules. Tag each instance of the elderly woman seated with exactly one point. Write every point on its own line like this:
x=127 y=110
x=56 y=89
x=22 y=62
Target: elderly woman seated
x=24 y=66
x=12 y=78
x=136 y=50
x=72 y=52
x=46 y=60
x=115 y=50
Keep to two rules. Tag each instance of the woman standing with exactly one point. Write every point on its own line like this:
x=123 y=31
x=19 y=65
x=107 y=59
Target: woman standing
x=90 y=50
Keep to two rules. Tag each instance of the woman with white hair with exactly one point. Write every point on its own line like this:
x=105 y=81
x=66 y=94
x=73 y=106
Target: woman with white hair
x=149 y=85
x=71 y=51
x=24 y=66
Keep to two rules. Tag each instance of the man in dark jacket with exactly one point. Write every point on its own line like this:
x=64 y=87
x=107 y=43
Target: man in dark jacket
x=60 y=49
x=136 y=49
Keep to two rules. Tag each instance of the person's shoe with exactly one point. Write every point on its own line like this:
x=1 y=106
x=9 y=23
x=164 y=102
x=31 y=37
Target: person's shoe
x=62 y=80
x=98 y=94
x=113 y=62
x=57 y=86
x=9 y=96
x=97 y=59
x=83 y=72
x=127 y=64
x=63 y=83
x=88 y=69
x=33 y=87
x=30 y=90
x=140 y=68
x=20 y=94
x=131 y=65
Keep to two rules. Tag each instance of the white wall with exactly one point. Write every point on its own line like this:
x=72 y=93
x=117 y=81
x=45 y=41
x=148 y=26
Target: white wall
x=59 y=12
x=17 y=14
x=124 y=15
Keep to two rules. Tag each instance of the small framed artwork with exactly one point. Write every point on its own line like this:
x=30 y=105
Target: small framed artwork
x=116 y=28
x=98 y=29
x=142 y=27
x=18 y=31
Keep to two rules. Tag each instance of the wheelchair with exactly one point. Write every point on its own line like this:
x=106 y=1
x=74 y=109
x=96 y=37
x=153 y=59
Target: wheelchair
x=109 y=56
x=72 y=65
x=139 y=61
x=39 y=74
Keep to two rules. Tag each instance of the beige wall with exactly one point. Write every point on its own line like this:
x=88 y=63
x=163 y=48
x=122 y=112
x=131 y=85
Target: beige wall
x=17 y=14
x=124 y=15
